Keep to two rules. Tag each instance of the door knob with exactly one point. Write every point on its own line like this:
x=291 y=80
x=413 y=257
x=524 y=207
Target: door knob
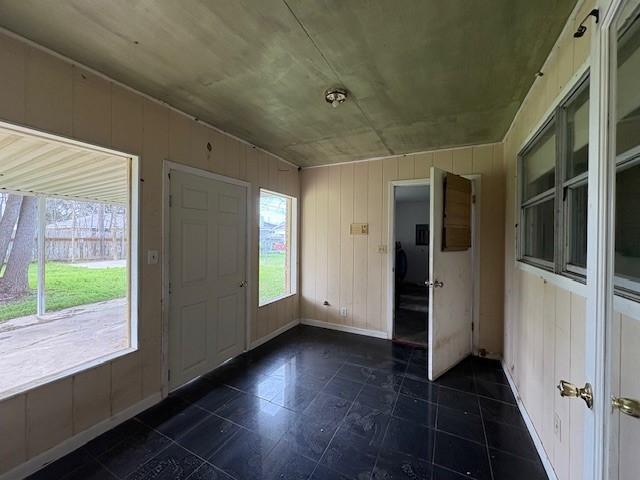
x=434 y=284
x=243 y=284
x=568 y=389
x=628 y=406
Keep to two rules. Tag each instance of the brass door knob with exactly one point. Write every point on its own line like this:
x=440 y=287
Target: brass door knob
x=628 y=406
x=434 y=284
x=243 y=284
x=568 y=389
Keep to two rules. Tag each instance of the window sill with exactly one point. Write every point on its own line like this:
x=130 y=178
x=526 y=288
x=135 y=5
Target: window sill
x=274 y=300
x=561 y=281
x=61 y=375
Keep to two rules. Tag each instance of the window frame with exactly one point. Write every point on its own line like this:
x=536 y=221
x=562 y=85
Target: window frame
x=133 y=256
x=292 y=249
x=557 y=121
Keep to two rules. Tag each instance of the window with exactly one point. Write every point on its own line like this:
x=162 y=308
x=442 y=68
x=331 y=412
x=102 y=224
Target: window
x=553 y=189
x=627 y=185
x=67 y=288
x=277 y=247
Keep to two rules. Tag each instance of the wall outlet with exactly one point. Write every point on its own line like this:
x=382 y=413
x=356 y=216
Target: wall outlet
x=557 y=426
x=343 y=311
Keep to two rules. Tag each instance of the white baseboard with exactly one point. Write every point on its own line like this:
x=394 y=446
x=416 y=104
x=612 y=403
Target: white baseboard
x=344 y=328
x=36 y=463
x=273 y=334
x=534 y=434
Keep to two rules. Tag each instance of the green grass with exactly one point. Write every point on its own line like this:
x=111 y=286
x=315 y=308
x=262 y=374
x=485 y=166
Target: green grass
x=272 y=280
x=69 y=286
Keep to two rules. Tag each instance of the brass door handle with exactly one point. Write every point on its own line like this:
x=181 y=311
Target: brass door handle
x=568 y=389
x=628 y=406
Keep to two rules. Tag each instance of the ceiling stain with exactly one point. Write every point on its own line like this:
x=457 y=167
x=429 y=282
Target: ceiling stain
x=421 y=74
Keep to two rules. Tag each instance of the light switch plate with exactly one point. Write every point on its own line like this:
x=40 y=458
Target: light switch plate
x=152 y=257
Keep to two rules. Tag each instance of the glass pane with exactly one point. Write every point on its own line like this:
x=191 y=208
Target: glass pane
x=577 y=226
x=274 y=278
x=86 y=268
x=627 y=259
x=578 y=135
x=539 y=166
x=18 y=262
x=538 y=230
x=628 y=91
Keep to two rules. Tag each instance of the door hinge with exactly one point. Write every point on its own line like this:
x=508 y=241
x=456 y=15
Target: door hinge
x=169 y=288
x=169 y=375
x=473 y=326
x=170 y=200
x=473 y=199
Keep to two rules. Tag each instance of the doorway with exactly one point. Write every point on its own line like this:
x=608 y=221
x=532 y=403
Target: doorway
x=207 y=272
x=411 y=260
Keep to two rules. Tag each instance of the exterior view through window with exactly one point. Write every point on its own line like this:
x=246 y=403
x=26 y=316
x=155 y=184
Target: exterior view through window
x=277 y=242
x=64 y=247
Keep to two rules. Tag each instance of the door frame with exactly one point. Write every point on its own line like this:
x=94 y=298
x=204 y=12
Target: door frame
x=167 y=167
x=602 y=303
x=475 y=250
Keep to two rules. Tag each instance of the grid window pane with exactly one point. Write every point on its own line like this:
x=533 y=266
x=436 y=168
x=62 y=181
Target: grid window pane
x=628 y=92
x=577 y=161
x=627 y=256
x=275 y=247
x=539 y=166
x=577 y=226
x=538 y=226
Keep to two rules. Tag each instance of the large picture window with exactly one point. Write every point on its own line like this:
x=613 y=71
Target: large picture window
x=66 y=257
x=277 y=263
x=553 y=189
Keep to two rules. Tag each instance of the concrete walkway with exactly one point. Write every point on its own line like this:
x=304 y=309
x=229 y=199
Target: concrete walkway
x=32 y=348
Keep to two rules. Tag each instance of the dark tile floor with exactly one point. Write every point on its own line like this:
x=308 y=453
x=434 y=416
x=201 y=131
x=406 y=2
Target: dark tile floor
x=318 y=404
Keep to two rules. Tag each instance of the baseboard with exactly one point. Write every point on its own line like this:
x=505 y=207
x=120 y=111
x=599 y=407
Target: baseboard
x=36 y=463
x=534 y=434
x=344 y=328
x=273 y=334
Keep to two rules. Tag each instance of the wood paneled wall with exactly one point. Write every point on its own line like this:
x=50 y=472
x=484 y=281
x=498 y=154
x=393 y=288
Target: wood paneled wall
x=42 y=91
x=544 y=323
x=348 y=270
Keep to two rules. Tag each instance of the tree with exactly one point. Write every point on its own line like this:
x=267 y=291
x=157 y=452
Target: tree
x=8 y=223
x=15 y=279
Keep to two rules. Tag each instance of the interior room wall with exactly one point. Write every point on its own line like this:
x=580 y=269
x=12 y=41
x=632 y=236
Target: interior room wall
x=545 y=313
x=43 y=91
x=350 y=271
x=409 y=214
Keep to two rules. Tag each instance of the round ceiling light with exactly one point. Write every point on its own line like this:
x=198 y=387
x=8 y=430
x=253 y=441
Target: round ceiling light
x=335 y=96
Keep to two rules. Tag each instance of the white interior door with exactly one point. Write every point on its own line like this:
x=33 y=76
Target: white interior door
x=450 y=291
x=622 y=402
x=207 y=274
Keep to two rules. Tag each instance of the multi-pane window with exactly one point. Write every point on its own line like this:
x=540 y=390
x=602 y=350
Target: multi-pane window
x=553 y=189
x=277 y=246
x=627 y=147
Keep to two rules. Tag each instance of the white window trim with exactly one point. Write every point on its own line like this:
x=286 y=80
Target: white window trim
x=293 y=249
x=132 y=262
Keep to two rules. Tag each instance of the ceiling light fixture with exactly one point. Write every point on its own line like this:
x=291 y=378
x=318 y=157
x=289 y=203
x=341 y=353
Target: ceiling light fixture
x=335 y=96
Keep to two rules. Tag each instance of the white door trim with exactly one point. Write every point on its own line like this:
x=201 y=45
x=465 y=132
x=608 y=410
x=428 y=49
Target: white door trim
x=475 y=250
x=167 y=167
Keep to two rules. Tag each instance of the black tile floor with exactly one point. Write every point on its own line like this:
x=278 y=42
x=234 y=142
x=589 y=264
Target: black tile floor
x=318 y=404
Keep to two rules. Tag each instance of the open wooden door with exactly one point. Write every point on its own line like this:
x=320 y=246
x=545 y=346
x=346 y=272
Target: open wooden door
x=450 y=272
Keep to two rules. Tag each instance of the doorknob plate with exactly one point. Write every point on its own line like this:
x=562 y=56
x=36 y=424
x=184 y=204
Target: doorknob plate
x=569 y=390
